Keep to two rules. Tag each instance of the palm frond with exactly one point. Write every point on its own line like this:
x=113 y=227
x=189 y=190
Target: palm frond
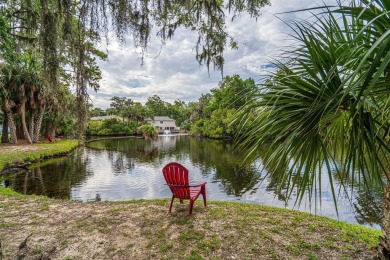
x=327 y=106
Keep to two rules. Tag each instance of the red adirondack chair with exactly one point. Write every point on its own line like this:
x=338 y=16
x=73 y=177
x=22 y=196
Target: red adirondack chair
x=176 y=176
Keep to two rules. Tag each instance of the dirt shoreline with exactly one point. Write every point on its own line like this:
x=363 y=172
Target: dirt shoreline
x=145 y=230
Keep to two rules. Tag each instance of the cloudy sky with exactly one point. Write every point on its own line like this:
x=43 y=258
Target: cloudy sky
x=171 y=71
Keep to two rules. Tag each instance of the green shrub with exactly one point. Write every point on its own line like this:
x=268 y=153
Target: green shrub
x=148 y=131
x=93 y=127
x=197 y=127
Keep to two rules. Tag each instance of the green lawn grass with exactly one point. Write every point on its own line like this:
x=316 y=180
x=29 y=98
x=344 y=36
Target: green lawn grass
x=12 y=155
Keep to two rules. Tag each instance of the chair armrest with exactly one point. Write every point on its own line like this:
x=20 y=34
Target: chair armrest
x=179 y=186
x=188 y=186
x=202 y=183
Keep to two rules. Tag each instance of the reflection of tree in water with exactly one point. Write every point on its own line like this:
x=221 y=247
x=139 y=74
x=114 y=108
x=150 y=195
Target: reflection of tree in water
x=61 y=174
x=238 y=179
x=277 y=183
x=236 y=176
x=122 y=152
x=367 y=203
x=368 y=200
x=126 y=153
x=120 y=162
x=368 y=207
x=209 y=155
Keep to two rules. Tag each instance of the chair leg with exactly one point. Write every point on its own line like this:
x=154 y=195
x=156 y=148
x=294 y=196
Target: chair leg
x=203 y=192
x=191 y=206
x=170 y=206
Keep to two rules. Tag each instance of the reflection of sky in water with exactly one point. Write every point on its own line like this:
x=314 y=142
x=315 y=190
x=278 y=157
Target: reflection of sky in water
x=131 y=169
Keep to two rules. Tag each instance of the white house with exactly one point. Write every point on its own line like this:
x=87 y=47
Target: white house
x=162 y=123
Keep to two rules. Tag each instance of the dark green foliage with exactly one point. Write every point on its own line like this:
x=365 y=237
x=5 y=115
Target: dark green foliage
x=157 y=106
x=128 y=109
x=231 y=94
x=214 y=114
x=148 y=131
x=111 y=127
x=97 y=112
x=219 y=125
x=35 y=56
x=180 y=112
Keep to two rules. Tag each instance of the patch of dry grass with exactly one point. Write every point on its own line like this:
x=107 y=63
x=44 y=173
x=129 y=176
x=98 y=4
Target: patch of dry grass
x=145 y=230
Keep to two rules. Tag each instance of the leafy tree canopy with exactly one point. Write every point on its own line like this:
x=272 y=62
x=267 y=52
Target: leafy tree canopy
x=213 y=115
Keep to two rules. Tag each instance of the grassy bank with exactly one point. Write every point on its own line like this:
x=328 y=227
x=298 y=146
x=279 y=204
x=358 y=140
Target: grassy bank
x=145 y=230
x=18 y=154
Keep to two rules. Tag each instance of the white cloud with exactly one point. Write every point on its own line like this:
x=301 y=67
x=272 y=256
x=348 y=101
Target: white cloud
x=171 y=71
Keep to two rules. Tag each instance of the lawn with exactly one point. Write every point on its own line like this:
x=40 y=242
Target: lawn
x=11 y=155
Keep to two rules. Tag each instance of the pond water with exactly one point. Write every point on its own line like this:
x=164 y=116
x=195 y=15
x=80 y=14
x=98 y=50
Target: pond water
x=124 y=169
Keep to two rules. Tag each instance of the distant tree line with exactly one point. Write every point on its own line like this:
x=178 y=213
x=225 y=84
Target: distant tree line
x=213 y=115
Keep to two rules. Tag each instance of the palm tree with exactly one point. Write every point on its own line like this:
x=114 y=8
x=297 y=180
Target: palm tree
x=7 y=94
x=7 y=47
x=4 y=133
x=327 y=106
x=33 y=96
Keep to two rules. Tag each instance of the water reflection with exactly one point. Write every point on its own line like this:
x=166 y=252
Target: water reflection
x=54 y=178
x=368 y=208
x=130 y=168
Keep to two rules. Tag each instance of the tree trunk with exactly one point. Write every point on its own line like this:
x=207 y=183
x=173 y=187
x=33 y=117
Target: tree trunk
x=384 y=246
x=38 y=124
x=52 y=131
x=11 y=122
x=31 y=124
x=47 y=126
x=23 y=119
x=19 y=130
x=4 y=134
x=81 y=116
x=22 y=113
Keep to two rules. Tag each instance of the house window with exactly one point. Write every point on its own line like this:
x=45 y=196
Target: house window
x=161 y=122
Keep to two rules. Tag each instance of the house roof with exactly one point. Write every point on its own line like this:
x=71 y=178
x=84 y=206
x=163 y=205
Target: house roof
x=160 y=118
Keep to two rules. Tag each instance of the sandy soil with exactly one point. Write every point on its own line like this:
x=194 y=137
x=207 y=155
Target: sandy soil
x=22 y=145
x=145 y=230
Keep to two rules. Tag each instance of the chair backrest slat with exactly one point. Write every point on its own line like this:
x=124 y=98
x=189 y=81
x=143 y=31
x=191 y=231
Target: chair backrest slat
x=177 y=174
